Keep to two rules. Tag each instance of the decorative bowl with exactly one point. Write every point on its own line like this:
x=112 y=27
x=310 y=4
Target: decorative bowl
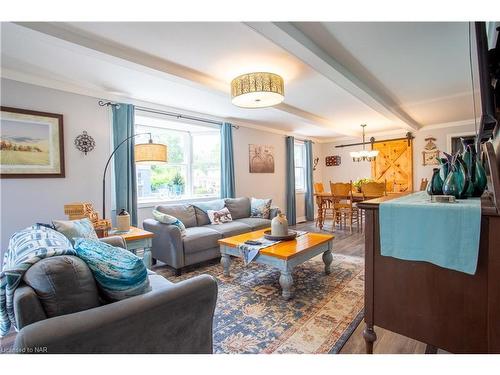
x=290 y=236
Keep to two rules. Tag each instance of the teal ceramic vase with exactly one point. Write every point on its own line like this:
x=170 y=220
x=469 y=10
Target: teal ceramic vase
x=457 y=181
x=435 y=185
x=475 y=170
x=450 y=186
x=443 y=168
x=463 y=176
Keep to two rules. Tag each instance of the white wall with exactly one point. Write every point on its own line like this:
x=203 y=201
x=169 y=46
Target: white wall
x=26 y=201
x=259 y=185
x=349 y=170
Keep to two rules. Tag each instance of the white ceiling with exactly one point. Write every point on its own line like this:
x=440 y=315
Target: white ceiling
x=337 y=75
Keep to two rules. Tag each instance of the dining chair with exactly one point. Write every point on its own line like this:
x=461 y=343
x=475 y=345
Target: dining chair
x=423 y=184
x=325 y=203
x=344 y=209
x=373 y=189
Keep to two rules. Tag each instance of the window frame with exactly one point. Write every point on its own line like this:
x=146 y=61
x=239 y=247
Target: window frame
x=188 y=164
x=301 y=189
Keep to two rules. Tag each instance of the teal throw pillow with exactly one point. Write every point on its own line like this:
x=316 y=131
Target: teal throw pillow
x=169 y=220
x=260 y=208
x=72 y=229
x=118 y=273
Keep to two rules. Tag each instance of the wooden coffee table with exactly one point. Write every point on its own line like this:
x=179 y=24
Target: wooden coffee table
x=283 y=256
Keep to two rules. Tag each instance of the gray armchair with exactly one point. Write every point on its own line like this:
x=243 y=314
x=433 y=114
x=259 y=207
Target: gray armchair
x=172 y=318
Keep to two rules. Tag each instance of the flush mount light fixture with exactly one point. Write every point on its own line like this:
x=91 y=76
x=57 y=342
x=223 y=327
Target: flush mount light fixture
x=257 y=90
x=363 y=155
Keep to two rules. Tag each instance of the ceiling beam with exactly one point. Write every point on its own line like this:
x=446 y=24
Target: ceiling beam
x=293 y=40
x=154 y=65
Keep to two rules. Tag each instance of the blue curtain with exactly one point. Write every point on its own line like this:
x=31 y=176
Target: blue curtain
x=309 y=181
x=227 y=189
x=291 y=212
x=125 y=178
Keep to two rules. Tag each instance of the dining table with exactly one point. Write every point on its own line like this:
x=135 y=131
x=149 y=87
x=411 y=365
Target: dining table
x=324 y=197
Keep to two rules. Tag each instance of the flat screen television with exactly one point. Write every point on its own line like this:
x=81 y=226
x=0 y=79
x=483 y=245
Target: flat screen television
x=488 y=59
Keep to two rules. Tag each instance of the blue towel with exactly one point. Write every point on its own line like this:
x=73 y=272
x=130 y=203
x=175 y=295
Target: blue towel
x=249 y=252
x=444 y=234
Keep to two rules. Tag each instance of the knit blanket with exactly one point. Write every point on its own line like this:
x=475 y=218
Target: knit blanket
x=26 y=247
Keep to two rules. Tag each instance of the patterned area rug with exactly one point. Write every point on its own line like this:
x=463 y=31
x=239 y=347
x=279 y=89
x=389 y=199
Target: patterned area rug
x=252 y=317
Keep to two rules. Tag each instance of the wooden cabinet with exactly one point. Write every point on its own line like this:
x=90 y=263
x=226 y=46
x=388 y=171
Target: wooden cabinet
x=444 y=308
x=394 y=164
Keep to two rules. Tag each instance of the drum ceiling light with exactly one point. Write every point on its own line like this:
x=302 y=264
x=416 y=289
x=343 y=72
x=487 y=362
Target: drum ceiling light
x=257 y=90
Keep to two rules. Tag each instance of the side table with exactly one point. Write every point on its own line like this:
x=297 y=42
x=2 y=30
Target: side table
x=137 y=238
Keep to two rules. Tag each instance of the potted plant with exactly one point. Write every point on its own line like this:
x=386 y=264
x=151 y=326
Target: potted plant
x=357 y=184
x=178 y=184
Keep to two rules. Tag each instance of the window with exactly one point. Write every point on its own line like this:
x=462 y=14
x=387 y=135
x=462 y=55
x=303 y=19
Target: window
x=193 y=167
x=300 y=163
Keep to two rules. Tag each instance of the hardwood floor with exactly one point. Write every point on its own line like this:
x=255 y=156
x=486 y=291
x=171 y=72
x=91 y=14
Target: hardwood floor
x=353 y=245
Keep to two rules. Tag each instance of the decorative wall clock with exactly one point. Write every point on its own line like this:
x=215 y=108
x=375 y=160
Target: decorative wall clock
x=430 y=153
x=333 y=161
x=84 y=142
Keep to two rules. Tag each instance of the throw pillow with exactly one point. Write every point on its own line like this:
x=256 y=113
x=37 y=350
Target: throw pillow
x=72 y=229
x=215 y=205
x=169 y=220
x=220 y=216
x=260 y=208
x=119 y=273
x=201 y=209
x=63 y=284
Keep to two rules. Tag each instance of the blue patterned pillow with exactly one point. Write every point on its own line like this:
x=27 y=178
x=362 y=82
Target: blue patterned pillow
x=169 y=220
x=119 y=273
x=72 y=229
x=26 y=248
x=260 y=208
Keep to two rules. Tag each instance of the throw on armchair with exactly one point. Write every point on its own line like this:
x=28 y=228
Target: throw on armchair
x=201 y=240
x=172 y=318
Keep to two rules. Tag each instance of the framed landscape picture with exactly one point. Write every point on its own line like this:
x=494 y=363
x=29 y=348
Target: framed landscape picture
x=31 y=144
x=261 y=159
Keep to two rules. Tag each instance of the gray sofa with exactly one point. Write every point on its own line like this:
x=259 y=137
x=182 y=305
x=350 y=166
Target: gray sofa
x=200 y=243
x=172 y=318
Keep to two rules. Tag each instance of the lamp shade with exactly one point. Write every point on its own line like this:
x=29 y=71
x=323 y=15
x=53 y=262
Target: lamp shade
x=150 y=153
x=257 y=90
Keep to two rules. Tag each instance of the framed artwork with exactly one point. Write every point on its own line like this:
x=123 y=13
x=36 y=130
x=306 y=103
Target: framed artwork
x=261 y=159
x=430 y=153
x=31 y=144
x=333 y=161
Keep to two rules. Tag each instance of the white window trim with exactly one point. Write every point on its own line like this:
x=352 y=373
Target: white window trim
x=302 y=190
x=151 y=202
x=155 y=202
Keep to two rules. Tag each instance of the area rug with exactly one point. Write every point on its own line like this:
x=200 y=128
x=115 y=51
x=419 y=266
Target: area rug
x=252 y=317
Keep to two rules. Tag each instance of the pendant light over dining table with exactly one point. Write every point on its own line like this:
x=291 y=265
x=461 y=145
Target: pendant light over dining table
x=257 y=90
x=363 y=155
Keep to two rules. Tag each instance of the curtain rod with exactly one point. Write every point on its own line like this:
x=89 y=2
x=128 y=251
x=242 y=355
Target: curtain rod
x=409 y=137
x=171 y=114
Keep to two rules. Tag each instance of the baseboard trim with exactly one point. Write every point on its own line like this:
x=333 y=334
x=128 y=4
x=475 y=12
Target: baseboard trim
x=301 y=219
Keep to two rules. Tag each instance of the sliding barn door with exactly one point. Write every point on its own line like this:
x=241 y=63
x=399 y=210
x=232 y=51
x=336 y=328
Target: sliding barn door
x=394 y=164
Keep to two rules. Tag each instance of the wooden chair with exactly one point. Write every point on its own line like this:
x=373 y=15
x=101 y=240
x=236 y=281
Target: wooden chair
x=423 y=184
x=344 y=210
x=325 y=204
x=373 y=189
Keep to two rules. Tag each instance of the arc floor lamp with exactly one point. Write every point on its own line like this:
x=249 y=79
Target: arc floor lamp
x=144 y=153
